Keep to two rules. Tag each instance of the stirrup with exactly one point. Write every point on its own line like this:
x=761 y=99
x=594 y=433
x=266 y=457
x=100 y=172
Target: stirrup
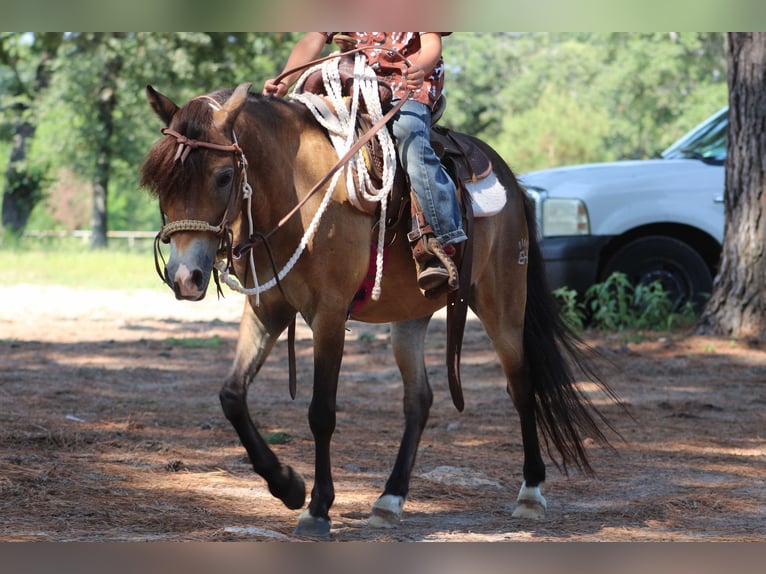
x=432 y=275
x=437 y=274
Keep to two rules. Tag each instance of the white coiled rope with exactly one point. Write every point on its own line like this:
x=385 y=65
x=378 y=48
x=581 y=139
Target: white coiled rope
x=341 y=126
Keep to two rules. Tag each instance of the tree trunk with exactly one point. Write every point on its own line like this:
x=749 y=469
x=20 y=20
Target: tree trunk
x=105 y=106
x=23 y=187
x=737 y=307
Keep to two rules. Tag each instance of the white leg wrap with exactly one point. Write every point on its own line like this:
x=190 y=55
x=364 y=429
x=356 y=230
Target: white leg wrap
x=386 y=512
x=530 y=503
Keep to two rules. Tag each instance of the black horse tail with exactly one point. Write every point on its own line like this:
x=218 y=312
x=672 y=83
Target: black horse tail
x=554 y=353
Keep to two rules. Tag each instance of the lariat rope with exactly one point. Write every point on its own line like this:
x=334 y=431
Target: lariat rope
x=235 y=285
x=341 y=126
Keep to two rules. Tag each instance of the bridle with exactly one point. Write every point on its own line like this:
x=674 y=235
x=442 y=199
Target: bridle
x=240 y=190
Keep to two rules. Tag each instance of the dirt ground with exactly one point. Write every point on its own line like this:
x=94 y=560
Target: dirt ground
x=111 y=430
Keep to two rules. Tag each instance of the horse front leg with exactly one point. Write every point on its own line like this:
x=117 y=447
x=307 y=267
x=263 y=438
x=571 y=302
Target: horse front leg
x=408 y=340
x=329 y=339
x=253 y=346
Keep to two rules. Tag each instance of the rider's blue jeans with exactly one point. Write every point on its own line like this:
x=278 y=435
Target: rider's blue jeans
x=433 y=187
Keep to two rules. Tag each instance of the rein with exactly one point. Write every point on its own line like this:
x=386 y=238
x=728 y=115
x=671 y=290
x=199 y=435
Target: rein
x=331 y=177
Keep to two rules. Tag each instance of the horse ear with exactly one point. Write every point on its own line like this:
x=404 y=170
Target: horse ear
x=162 y=105
x=227 y=115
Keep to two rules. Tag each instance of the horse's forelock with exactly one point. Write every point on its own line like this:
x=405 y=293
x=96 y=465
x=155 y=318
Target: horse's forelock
x=165 y=177
x=161 y=173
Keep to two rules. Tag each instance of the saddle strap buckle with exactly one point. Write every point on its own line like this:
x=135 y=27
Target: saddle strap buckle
x=419 y=227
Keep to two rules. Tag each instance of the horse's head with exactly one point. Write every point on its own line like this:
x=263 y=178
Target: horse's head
x=196 y=171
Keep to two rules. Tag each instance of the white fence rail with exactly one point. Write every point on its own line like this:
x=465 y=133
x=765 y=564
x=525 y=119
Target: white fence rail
x=84 y=235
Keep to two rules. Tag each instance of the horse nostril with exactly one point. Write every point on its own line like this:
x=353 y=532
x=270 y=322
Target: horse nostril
x=197 y=278
x=174 y=285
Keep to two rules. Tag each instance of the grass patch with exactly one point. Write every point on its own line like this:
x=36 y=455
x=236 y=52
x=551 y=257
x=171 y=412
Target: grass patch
x=72 y=264
x=277 y=437
x=195 y=342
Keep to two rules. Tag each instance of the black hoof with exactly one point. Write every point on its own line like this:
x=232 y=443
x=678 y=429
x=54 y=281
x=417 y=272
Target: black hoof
x=288 y=486
x=312 y=526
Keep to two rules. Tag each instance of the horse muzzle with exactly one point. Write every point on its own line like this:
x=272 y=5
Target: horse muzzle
x=188 y=269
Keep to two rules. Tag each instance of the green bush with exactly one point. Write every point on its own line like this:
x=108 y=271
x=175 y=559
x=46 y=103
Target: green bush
x=572 y=310
x=616 y=305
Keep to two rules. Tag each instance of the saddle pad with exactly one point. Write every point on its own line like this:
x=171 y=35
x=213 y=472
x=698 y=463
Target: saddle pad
x=487 y=196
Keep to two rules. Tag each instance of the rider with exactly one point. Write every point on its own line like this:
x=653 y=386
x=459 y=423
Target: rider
x=434 y=189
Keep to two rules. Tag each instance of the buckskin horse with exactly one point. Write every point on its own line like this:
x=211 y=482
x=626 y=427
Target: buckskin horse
x=232 y=172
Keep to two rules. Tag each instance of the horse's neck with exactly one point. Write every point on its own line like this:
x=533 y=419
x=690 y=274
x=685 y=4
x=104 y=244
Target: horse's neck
x=288 y=152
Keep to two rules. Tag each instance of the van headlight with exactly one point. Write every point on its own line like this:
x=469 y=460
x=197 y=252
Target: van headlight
x=559 y=216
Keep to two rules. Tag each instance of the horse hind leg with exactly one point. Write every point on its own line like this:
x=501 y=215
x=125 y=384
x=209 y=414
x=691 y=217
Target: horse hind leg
x=408 y=340
x=507 y=335
x=253 y=346
x=530 y=503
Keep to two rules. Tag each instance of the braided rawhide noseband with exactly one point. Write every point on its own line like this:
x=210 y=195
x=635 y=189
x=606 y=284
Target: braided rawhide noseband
x=187 y=225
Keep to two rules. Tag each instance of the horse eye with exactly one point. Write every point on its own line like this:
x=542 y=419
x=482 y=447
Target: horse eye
x=223 y=178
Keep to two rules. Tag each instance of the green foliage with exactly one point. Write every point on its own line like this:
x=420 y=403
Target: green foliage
x=26 y=176
x=611 y=303
x=571 y=309
x=479 y=68
x=548 y=99
x=616 y=305
x=182 y=64
x=529 y=139
x=543 y=99
x=277 y=437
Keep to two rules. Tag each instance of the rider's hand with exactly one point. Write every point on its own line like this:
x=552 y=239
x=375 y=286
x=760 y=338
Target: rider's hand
x=272 y=88
x=414 y=75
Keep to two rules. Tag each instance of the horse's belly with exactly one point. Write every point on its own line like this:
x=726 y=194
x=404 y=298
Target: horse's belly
x=396 y=306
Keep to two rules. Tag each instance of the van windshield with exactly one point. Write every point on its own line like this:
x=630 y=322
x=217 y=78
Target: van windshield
x=706 y=142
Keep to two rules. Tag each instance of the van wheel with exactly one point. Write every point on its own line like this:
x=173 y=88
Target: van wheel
x=682 y=271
